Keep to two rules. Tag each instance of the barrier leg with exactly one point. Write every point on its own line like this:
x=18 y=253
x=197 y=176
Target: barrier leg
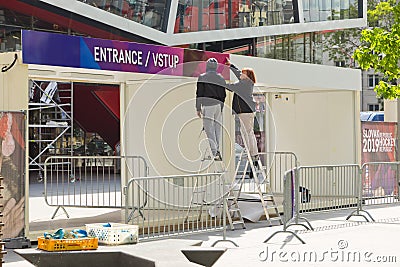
x=285 y=231
x=359 y=209
x=224 y=226
x=300 y=224
x=130 y=217
x=55 y=212
x=357 y=213
x=309 y=227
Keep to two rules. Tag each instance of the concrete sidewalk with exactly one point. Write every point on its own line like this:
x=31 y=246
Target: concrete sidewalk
x=334 y=242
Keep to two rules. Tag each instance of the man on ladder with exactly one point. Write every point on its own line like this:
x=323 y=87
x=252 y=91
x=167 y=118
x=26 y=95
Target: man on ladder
x=210 y=98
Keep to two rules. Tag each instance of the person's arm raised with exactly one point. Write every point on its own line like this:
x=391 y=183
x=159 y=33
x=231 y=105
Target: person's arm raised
x=233 y=68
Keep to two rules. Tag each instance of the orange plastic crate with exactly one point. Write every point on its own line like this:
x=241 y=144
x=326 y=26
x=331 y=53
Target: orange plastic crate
x=87 y=243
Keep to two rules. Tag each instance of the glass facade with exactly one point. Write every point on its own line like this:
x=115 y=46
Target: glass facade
x=152 y=13
x=11 y=24
x=10 y=29
x=301 y=48
x=204 y=15
x=322 y=10
x=305 y=47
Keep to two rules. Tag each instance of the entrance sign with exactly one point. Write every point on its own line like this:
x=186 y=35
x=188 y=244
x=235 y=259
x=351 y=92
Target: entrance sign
x=44 y=48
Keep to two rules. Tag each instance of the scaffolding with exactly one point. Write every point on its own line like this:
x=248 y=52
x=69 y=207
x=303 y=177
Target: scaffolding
x=51 y=127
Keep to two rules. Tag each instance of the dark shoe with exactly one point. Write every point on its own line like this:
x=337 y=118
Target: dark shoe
x=255 y=162
x=256 y=158
x=218 y=156
x=251 y=174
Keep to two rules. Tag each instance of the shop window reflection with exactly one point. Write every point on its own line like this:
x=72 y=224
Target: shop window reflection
x=200 y=15
x=205 y=15
x=305 y=47
x=323 y=10
x=148 y=12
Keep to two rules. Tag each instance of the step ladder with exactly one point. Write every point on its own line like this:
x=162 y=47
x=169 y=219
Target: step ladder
x=258 y=174
x=232 y=209
x=230 y=198
x=197 y=199
x=207 y=165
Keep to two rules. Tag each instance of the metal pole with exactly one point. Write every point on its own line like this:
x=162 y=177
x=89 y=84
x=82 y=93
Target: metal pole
x=224 y=215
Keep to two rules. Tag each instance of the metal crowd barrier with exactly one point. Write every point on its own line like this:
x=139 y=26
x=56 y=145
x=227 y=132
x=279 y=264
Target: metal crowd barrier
x=378 y=184
x=327 y=187
x=89 y=181
x=291 y=214
x=317 y=188
x=175 y=205
x=346 y=186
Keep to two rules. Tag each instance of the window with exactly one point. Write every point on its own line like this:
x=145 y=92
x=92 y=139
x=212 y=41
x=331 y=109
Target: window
x=340 y=63
x=205 y=15
x=373 y=80
x=150 y=13
x=373 y=107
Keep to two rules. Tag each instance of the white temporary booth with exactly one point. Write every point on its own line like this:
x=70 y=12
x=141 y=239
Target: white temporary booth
x=312 y=110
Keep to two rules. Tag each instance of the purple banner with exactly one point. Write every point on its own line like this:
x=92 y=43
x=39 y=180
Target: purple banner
x=44 y=48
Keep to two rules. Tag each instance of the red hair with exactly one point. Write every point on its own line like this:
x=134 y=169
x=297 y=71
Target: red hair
x=250 y=73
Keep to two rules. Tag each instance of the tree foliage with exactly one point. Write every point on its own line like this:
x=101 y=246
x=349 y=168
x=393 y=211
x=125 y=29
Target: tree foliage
x=341 y=44
x=380 y=47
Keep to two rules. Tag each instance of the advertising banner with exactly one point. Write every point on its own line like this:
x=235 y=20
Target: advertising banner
x=379 y=145
x=12 y=168
x=45 y=48
x=378 y=141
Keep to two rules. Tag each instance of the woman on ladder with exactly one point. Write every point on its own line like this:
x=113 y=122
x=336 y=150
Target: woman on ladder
x=244 y=106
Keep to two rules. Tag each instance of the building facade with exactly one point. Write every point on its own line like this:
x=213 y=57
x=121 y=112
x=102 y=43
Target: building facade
x=276 y=29
x=369 y=100
x=257 y=28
